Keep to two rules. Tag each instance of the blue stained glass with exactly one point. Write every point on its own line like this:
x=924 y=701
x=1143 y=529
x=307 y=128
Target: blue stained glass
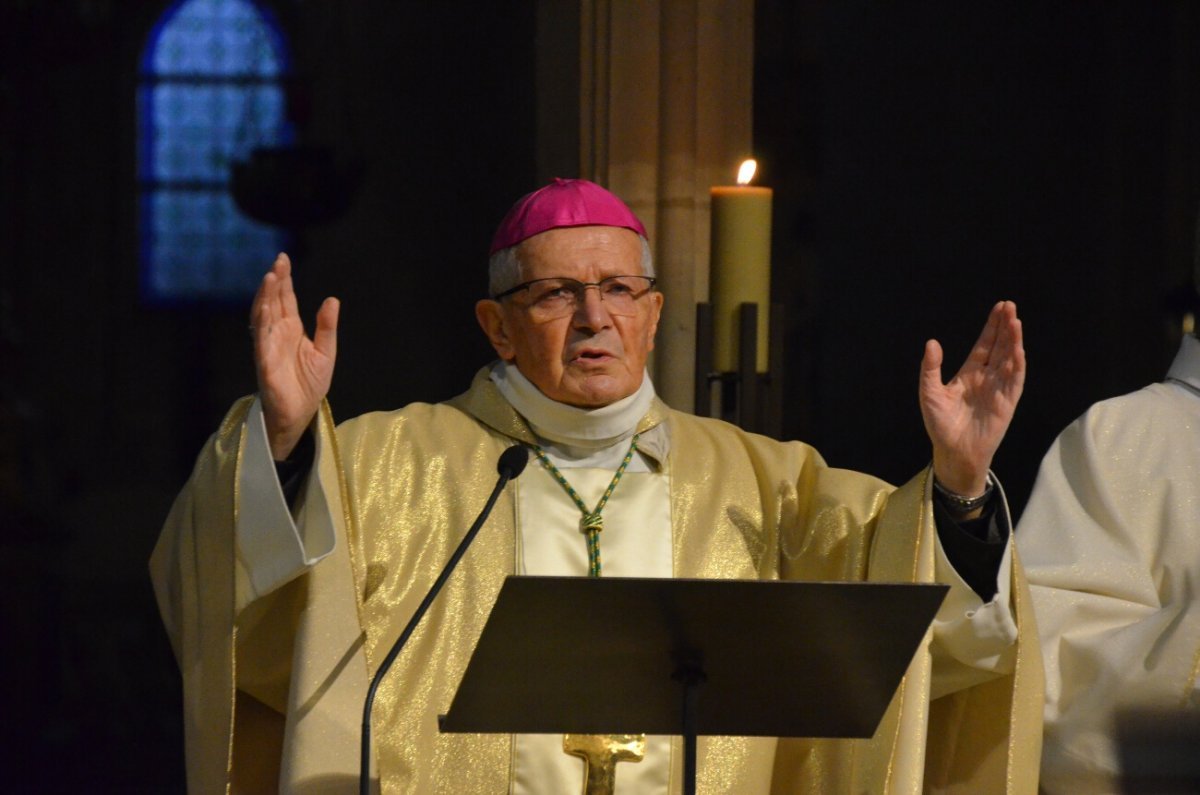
x=200 y=129
x=203 y=246
x=211 y=92
x=218 y=37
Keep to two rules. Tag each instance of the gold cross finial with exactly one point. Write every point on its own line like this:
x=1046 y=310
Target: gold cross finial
x=600 y=754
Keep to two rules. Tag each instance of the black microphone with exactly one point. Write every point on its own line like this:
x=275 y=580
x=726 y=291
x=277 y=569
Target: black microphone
x=512 y=463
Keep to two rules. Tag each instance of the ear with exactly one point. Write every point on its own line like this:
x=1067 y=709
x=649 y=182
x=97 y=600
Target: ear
x=656 y=306
x=490 y=315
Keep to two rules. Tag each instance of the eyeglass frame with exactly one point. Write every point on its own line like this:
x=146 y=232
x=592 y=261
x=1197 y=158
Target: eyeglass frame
x=583 y=285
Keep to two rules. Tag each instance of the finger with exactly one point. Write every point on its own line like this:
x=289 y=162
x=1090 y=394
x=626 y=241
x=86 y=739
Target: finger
x=325 y=335
x=264 y=307
x=1008 y=354
x=287 y=290
x=269 y=309
x=279 y=269
x=982 y=350
x=271 y=286
x=931 y=367
x=1017 y=360
x=260 y=320
x=259 y=298
x=262 y=294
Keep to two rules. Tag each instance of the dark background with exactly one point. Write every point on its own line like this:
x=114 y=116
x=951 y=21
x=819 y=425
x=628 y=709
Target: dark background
x=926 y=160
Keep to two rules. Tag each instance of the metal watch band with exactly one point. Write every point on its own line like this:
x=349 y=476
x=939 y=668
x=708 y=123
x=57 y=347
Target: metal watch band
x=960 y=504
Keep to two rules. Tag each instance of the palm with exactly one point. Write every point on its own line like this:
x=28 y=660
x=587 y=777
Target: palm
x=967 y=418
x=294 y=371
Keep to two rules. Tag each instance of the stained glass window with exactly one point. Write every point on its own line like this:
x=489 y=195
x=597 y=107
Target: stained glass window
x=210 y=91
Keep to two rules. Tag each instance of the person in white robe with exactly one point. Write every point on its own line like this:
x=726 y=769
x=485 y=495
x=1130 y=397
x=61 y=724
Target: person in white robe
x=1110 y=541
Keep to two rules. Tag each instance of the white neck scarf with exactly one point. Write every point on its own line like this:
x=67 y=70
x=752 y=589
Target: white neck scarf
x=570 y=425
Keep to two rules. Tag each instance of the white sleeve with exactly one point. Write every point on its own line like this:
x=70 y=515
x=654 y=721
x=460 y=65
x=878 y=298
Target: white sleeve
x=980 y=636
x=273 y=547
x=973 y=640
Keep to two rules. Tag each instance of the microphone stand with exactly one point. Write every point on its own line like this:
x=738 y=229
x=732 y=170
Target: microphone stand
x=512 y=463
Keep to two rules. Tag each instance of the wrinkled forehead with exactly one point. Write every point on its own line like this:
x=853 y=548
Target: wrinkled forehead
x=587 y=253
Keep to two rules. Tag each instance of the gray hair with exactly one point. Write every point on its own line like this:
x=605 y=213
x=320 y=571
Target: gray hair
x=504 y=267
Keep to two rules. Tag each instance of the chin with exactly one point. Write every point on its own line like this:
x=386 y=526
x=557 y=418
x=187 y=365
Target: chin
x=594 y=393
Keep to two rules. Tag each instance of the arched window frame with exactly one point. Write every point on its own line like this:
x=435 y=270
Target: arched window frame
x=225 y=261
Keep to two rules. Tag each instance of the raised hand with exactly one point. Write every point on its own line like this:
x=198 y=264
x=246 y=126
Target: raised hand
x=967 y=418
x=294 y=372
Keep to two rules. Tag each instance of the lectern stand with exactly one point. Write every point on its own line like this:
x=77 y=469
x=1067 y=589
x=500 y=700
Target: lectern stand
x=691 y=657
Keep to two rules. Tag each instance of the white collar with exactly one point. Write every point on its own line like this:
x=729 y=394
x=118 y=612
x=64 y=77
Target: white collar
x=570 y=425
x=1185 y=370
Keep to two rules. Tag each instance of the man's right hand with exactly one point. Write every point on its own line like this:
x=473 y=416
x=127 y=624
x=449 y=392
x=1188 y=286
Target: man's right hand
x=294 y=372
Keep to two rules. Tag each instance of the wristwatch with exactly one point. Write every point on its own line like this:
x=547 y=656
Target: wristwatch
x=959 y=504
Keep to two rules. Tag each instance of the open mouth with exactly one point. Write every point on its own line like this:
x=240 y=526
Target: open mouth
x=592 y=355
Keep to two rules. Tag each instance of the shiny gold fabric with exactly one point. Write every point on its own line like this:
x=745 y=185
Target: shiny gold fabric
x=232 y=650
x=742 y=506
x=195 y=555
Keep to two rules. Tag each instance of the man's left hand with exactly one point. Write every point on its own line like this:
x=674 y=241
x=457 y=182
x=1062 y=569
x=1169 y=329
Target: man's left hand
x=967 y=418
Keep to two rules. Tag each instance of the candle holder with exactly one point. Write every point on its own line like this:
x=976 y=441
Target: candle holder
x=746 y=398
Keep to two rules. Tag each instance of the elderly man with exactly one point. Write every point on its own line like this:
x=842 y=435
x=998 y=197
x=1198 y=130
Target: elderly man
x=282 y=595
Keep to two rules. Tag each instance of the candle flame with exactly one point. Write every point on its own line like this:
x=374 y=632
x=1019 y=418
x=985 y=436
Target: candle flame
x=746 y=172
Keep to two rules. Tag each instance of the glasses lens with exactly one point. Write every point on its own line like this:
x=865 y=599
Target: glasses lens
x=552 y=298
x=620 y=293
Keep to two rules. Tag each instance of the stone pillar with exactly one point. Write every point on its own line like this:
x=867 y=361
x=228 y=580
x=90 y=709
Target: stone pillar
x=655 y=99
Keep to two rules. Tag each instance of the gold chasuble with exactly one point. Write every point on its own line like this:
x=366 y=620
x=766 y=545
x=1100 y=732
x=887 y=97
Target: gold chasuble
x=274 y=682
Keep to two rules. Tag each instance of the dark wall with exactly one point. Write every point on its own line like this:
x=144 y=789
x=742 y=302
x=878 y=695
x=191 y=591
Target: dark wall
x=927 y=161
x=105 y=402
x=930 y=159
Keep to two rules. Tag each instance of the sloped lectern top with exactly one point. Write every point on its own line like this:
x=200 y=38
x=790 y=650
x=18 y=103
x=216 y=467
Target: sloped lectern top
x=776 y=659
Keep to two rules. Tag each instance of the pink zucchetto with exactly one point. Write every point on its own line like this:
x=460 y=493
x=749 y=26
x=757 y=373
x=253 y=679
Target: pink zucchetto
x=564 y=202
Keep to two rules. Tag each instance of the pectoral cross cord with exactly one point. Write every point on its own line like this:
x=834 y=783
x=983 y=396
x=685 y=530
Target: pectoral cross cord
x=600 y=753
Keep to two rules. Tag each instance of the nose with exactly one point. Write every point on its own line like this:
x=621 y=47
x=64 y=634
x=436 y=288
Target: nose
x=590 y=310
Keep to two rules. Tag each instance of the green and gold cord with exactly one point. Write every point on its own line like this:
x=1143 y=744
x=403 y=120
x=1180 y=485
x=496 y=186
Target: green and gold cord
x=591 y=524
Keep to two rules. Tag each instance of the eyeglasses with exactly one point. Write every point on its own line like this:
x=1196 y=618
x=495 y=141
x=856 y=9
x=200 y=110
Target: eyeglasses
x=558 y=297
